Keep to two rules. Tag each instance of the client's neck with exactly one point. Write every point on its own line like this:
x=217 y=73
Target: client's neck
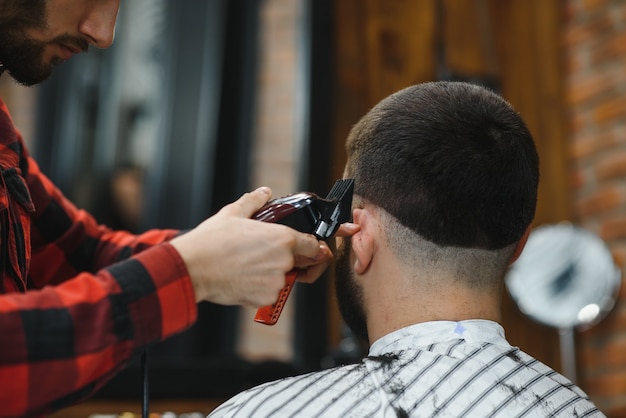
x=404 y=302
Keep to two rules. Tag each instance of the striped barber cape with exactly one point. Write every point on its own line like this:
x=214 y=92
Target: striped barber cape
x=433 y=369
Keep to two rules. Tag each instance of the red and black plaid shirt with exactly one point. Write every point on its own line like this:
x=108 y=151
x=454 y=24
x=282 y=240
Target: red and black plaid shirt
x=77 y=300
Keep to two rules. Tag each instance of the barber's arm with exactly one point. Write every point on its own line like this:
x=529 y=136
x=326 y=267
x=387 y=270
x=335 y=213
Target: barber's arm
x=229 y=246
x=68 y=340
x=67 y=241
x=60 y=344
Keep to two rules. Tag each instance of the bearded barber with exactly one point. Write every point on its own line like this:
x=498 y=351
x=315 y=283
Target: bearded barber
x=79 y=300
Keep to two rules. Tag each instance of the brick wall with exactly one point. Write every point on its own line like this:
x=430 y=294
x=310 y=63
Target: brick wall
x=595 y=75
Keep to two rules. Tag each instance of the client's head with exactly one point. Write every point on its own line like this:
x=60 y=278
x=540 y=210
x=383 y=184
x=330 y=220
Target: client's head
x=452 y=172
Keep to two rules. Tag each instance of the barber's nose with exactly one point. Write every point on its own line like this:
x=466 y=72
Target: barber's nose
x=98 y=25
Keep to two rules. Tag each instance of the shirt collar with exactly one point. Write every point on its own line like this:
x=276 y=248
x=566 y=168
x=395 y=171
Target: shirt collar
x=427 y=333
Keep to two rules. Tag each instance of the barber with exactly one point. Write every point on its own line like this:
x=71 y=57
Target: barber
x=79 y=300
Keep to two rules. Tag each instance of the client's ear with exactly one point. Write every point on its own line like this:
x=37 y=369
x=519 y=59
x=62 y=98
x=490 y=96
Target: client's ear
x=363 y=241
x=520 y=245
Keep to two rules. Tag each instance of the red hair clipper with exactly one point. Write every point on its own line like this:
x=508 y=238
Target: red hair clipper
x=308 y=213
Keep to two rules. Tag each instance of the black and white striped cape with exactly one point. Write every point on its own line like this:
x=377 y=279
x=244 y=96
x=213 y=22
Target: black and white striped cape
x=434 y=369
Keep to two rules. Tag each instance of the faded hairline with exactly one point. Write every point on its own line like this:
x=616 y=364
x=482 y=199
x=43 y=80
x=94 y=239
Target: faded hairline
x=477 y=268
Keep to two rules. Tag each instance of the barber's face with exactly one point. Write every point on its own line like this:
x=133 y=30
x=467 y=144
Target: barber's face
x=36 y=35
x=349 y=292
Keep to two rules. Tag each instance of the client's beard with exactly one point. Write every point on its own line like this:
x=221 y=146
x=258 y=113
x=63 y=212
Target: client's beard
x=349 y=293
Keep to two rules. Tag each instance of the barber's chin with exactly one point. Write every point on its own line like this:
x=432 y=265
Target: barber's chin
x=32 y=79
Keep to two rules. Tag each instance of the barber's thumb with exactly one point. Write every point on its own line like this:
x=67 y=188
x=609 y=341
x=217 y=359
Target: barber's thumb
x=250 y=202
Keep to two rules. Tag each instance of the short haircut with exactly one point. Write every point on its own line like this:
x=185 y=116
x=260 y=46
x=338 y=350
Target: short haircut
x=452 y=161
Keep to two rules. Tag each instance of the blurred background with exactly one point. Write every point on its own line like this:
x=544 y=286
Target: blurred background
x=200 y=101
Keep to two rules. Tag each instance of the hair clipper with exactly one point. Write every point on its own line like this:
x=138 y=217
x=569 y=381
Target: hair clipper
x=305 y=212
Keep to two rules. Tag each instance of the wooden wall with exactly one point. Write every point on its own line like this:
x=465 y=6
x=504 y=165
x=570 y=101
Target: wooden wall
x=384 y=45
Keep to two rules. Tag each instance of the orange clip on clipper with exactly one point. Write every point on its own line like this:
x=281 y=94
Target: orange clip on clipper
x=308 y=213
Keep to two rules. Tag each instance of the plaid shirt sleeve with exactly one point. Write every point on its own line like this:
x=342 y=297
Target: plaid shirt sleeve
x=77 y=300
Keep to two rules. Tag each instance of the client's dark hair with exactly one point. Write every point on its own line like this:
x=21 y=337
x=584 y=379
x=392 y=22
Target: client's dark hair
x=452 y=161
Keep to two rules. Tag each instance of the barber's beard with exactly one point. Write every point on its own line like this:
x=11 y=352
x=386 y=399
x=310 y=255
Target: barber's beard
x=23 y=57
x=349 y=293
x=20 y=55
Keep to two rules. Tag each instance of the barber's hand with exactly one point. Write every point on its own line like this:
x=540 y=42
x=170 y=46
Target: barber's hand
x=235 y=260
x=311 y=271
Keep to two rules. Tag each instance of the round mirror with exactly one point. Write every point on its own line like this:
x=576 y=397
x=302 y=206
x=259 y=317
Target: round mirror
x=565 y=278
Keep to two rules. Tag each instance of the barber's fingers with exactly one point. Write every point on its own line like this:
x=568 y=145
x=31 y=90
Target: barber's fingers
x=311 y=268
x=248 y=203
x=347 y=229
x=306 y=246
x=323 y=253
